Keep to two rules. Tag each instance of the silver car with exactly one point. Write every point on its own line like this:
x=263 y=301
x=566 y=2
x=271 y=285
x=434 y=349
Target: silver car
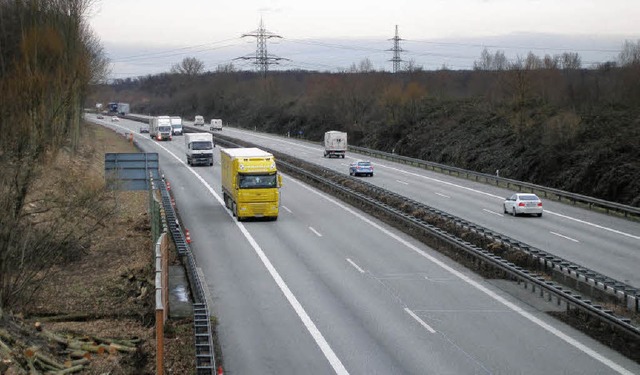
x=523 y=203
x=361 y=167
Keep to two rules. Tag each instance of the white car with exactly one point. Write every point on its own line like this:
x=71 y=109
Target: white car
x=115 y=118
x=523 y=203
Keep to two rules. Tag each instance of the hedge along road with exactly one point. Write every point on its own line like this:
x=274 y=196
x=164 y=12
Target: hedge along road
x=382 y=302
x=606 y=244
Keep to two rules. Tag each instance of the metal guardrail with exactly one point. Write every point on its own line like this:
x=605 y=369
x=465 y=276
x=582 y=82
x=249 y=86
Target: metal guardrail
x=204 y=357
x=546 y=191
x=516 y=272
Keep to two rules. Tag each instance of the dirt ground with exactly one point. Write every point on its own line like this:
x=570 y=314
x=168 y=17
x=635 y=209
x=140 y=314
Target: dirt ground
x=106 y=293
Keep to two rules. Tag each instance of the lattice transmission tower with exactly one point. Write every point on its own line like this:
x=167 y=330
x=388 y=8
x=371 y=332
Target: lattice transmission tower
x=262 y=59
x=396 y=60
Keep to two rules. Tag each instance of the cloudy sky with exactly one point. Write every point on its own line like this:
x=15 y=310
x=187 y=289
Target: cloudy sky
x=148 y=36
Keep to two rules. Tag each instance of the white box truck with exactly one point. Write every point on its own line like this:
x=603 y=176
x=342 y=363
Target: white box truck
x=160 y=128
x=216 y=124
x=176 y=125
x=198 y=120
x=199 y=148
x=335 y=143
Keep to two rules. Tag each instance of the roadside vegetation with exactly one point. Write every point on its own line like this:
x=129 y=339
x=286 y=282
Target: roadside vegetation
x=543 y=119
x=75 y=259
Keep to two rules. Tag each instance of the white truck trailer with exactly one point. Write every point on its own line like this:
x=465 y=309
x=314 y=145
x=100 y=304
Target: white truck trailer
x=216 y=124
x=199 y=148
x=335 y=144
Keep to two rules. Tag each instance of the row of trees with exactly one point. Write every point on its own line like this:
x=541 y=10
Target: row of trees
x=48 y=58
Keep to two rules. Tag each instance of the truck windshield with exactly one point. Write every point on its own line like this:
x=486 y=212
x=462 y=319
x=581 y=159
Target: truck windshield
x=202 y=145
x=164 y=129
x=253 y=181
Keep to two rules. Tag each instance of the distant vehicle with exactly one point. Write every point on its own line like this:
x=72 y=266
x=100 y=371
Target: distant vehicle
x=176 y=125
x=199 y=120
x=121 y=109
x=521 y=203
x=216 y=124
x=144 y=129
x=335 y=143
x=160 y=128
x=114 y=118
x=199 y=148
x=361 y=167
x=100 y=116
x=250 y=182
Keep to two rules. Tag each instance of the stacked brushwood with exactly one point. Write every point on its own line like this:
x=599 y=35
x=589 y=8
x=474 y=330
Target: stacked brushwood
x=33 y=354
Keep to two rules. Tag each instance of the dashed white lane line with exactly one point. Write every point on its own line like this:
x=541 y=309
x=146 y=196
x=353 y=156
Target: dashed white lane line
x=355 y=265
x=442 y=195
x=286 y=209
x=315 y=231
x=402 y=182
x=563 y=236
x=417 y=318
x=492 y=212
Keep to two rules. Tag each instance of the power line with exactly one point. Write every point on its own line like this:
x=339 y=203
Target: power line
x=262 y=58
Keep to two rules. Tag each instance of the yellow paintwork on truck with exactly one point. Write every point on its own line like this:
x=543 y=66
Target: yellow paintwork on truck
x=249 y=202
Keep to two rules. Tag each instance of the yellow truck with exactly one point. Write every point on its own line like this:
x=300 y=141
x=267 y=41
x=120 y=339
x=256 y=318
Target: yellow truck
x=250 y=183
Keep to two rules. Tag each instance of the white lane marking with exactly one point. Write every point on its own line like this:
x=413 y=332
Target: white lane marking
x=331 y=356
x=315 y=231
x=442 y=195
x=492 y=212
x=532 y=318
x=286 y=209
x=422 y=322
x=593 y=225
x=355 y=265
x=402 y=182
x=563 y=236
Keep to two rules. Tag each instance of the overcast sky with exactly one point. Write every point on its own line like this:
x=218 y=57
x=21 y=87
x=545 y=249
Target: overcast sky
x=133 y=31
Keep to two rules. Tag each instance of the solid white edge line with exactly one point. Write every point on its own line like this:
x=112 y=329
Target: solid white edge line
x=355 y=265
x=563 y=236
x=422 y=322
x=315 y=231
x=331 y=356
x=547 y=327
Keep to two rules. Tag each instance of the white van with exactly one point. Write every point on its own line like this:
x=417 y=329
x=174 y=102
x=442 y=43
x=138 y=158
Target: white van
x=199 y=120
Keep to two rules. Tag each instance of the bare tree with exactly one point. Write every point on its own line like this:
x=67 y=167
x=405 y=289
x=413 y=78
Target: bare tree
x=48 y=57
x=630 y=54
x=497 y=61
x=190 y=66
x=570 y=61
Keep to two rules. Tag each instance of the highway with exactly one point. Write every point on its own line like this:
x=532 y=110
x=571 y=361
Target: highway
x=328 y=289
x=606 y=244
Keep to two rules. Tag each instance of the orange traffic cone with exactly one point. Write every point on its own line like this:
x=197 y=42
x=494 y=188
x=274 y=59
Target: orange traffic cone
x=168 y=185
x=186 y=233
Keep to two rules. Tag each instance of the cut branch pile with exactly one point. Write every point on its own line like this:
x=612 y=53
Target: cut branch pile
x=74 y=352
